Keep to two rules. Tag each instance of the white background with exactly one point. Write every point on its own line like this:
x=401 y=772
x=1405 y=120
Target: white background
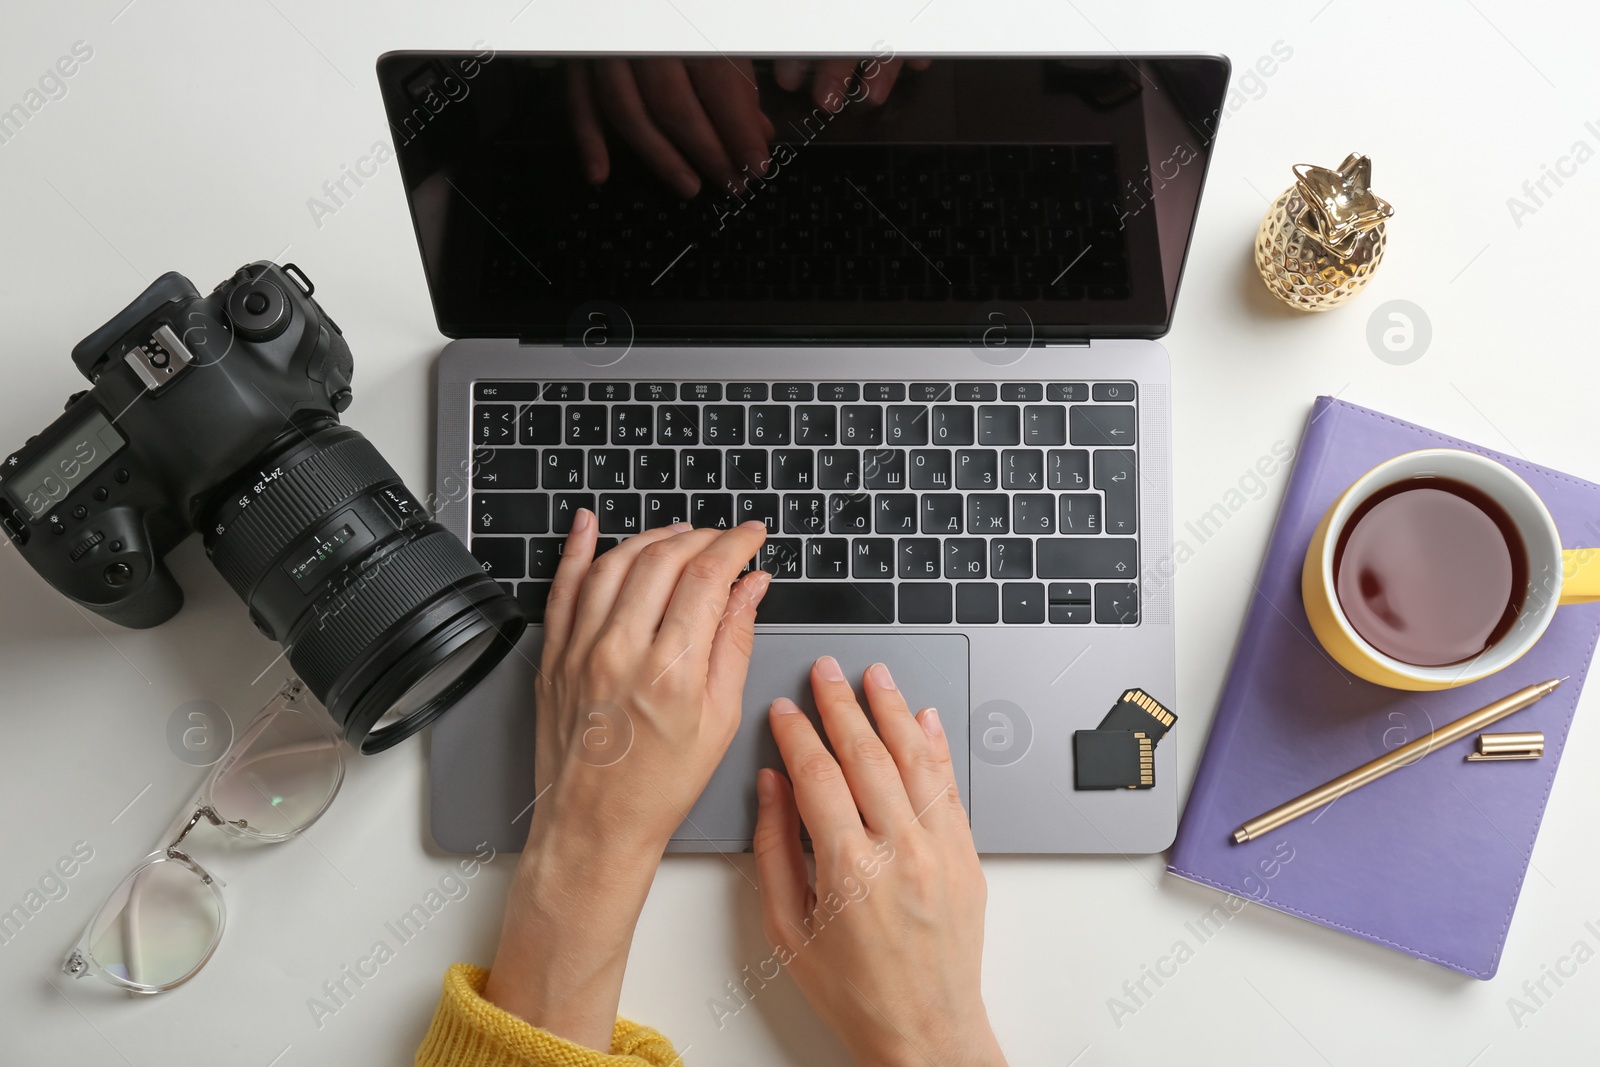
x=192 y=141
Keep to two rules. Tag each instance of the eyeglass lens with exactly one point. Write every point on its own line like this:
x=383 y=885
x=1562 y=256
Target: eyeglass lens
x=160 y=924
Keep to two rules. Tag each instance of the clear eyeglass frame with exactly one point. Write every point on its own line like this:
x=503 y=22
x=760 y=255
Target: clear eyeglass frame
x=163 y=922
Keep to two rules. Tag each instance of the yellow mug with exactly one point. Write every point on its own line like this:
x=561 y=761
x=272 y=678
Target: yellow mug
x=1555 y=577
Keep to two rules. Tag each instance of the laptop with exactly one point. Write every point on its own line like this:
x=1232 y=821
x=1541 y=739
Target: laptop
x=919 y=344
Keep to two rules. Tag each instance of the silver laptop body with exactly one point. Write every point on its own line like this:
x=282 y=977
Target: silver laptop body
x=1040 y=435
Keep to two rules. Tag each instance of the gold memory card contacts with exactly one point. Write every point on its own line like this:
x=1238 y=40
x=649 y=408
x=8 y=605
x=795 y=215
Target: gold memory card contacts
x=1138 y=710
x=1113 y=759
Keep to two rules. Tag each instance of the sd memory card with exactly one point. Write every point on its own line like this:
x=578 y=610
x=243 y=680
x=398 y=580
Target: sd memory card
x=1113 y=759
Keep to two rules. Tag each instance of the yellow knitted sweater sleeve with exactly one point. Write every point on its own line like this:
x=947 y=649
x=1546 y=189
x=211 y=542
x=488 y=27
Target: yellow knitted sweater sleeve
x=468 y=1031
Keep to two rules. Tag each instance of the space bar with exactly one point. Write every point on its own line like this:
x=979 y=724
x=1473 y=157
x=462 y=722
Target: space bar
x=844 y=603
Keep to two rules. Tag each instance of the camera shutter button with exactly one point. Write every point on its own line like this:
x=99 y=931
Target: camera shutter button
x=259 y=310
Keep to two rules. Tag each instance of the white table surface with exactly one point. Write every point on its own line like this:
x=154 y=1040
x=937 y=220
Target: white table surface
x=192 y=139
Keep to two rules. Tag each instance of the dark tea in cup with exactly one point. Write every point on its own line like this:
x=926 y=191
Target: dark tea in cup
x=1436 y=569
x=1431 y=571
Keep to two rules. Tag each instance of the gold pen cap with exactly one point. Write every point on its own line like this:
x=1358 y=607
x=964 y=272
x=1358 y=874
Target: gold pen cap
x=1529 y=745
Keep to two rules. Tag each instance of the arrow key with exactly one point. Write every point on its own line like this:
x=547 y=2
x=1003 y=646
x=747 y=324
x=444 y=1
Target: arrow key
x=1116 y=604
x=1069 y=614
x=1022 y=602
x=1070 y=602
x=1069 y=593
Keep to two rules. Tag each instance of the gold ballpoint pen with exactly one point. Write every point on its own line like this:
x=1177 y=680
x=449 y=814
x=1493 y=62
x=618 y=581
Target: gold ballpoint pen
x=1393 y=761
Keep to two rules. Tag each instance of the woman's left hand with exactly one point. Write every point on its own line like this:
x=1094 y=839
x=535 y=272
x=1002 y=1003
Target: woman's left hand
x=639 y=690
x=645 y=654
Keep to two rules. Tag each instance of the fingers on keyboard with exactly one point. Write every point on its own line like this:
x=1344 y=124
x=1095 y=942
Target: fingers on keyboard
x=918 y=503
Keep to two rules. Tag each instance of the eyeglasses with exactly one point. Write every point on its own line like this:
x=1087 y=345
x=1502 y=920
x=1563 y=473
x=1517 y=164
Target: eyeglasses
x=164 y=921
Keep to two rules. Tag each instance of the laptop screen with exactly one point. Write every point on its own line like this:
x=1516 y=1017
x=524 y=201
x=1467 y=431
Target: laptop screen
x=850 y=199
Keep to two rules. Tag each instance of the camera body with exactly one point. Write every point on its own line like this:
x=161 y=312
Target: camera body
x=220 y=414
x=189 y=392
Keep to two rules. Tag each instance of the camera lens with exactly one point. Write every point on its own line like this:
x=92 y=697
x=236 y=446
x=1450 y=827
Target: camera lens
x=385 y=615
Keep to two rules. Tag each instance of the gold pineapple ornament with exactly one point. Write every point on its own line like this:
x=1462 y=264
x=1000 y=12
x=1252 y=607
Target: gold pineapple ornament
x=1322 y=240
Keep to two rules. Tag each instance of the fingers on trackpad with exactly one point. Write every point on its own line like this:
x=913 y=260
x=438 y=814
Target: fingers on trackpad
x=929 y=669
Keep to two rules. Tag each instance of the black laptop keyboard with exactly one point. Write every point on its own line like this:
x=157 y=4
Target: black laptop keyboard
x=915 y=503
x=838 y=222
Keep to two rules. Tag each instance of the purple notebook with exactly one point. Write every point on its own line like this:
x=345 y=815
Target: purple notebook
x=1430 y=859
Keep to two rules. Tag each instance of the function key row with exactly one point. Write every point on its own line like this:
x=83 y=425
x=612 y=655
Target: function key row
x=807 y=392
x=498 y=424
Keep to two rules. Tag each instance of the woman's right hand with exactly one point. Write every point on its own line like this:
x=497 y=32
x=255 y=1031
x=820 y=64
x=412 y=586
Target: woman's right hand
x=888 y=944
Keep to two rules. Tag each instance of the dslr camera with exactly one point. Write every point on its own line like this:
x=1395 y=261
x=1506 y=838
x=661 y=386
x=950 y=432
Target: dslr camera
x=220 y=414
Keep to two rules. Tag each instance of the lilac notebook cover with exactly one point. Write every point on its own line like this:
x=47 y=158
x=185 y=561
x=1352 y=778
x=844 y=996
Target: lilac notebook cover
x=1430 y=859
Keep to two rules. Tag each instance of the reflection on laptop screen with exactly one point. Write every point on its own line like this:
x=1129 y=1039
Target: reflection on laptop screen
x=716 y=198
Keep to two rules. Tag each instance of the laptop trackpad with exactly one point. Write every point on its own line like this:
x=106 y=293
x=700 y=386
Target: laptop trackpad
x=481 y=754
x=930 y=669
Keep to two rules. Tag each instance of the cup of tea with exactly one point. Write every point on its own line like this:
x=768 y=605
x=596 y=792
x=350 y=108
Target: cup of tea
x=1439 y=568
